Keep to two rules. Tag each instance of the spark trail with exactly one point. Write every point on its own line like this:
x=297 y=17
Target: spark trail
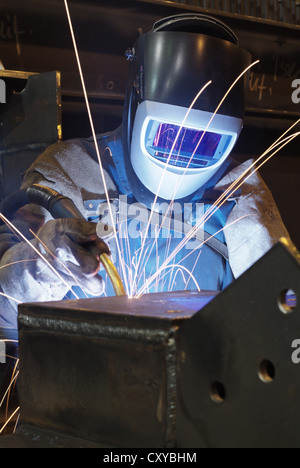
x=166 y=167
x=95 y=139
x=212 y=211
x=6 y=397
x=14 y=229
x=9 y=419
x=278 y=144
x=245 y=71
x=60 y=262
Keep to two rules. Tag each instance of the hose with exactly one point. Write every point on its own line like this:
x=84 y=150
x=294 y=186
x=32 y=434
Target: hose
x=58 y=206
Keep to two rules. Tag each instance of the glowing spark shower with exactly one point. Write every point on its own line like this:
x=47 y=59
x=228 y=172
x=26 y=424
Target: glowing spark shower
x=94 y=137
x=279 y=143
x=14 y=229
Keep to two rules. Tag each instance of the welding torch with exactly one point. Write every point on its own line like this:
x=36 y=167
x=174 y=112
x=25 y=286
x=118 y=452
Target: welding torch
x=60 y=206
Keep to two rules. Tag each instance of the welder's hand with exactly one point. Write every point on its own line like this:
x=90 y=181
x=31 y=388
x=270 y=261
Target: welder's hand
x=73 y=247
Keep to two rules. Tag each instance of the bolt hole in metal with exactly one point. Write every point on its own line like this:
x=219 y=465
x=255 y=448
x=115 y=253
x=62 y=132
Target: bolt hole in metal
x=217 y=392
x=267 y=371
x=287 y=301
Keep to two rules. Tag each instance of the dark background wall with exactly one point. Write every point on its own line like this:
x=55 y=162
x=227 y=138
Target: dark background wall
x=35 y=37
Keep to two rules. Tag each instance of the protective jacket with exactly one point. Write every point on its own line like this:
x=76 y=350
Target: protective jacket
x=233 y=236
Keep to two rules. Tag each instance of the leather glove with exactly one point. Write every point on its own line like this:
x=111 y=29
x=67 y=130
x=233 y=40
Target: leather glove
x=73 y=248
x=25 y=276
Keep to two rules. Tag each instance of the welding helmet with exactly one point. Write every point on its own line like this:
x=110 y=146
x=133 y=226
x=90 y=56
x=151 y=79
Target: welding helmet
x=174 y=149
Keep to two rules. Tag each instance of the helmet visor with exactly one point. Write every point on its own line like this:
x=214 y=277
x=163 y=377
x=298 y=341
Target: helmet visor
x=185 y=147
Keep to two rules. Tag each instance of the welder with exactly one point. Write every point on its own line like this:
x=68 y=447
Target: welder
x=163 y=151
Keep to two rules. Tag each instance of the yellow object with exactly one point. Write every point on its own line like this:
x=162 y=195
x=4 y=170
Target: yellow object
x=113 y=275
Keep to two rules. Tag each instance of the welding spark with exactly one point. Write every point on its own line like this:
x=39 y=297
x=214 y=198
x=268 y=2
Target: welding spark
x=197 y=145
x=11 y=386
x=9 y=297
x=95 y=139
x=14 y=229
x=180 y=268
x=133 y=271
x=6 y=266
x=279 y=144
x=169 y=158
x=132 y=279
x=9 y=419
x=61 y=263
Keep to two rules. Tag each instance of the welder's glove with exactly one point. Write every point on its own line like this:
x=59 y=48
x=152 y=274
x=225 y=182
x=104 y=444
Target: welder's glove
x=73 y=248
x=70 y=246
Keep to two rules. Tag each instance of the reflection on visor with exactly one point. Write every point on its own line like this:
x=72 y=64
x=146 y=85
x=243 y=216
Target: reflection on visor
x=193 y=148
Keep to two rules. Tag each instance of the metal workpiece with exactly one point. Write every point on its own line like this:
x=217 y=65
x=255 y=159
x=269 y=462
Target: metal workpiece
x=104 y=369
x=243 y=390
x=185 y=370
